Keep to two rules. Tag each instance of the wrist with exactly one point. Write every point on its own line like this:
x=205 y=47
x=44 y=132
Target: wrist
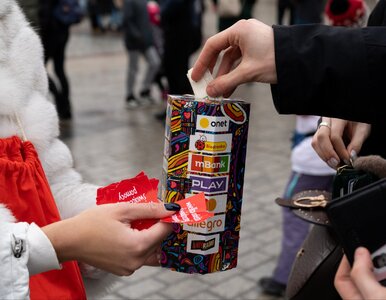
x=269 y=62
x=61 y=235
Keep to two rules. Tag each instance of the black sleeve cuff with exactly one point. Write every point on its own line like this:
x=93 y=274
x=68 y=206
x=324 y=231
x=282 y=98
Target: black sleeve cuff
x=321 y=70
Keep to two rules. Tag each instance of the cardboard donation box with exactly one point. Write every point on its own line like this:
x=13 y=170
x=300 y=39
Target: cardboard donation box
x=205 y=151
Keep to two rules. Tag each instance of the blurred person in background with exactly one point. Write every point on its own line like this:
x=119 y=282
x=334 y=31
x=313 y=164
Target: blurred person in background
x=160 y=79
x=308 y=11
x=138 y=37
x=181 y=22
x=115 y=22
x=31 y=10
x=308 y=172
x=95 y=16
x=55 y=35
x=282 y=7
x=245 y=12
x=349 y=13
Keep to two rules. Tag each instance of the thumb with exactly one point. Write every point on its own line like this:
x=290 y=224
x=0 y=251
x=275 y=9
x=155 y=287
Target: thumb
x=362 y=273
x=224 y=85
x=140 y=211
x=358 y=138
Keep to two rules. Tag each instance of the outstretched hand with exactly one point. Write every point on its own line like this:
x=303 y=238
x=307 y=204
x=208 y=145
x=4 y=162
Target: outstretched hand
x=248 y=55
x=102 y=237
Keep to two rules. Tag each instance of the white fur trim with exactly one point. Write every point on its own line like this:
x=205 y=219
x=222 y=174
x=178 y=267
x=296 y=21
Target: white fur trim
x=40 y=121
x=11 y=93
x=6 y=215
x=5 y=7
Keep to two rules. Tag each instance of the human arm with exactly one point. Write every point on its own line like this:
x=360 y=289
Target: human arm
x=102 y=237
x=315 y=69
x=359 y=281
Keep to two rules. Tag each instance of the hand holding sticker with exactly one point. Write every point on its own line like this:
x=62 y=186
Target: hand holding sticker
x=141 y=189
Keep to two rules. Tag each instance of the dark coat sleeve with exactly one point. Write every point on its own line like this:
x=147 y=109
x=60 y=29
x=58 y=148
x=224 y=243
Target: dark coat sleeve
x=330 y=71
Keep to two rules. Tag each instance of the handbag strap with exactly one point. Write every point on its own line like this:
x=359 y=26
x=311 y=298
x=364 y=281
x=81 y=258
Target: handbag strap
x=19 y=124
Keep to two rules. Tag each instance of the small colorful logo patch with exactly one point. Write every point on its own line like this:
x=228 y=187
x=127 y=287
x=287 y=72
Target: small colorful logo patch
x=212 y=124
x=208 y=164
x=211 y=143
x=210 y=225
x=209 y=185
x=201 y=244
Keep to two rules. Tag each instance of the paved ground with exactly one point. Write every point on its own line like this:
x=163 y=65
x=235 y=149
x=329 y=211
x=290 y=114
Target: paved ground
x=110 y=143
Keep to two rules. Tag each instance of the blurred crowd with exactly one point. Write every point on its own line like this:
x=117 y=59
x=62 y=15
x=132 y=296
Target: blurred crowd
x=155 y=30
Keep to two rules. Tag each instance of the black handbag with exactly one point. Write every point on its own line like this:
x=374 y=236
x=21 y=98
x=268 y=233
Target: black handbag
x=313 y=272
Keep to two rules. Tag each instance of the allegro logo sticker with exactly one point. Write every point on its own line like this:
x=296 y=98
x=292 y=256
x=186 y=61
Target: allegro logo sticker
x=213 y=124
x=208 y=164
x=201 y=244
x=210 y=225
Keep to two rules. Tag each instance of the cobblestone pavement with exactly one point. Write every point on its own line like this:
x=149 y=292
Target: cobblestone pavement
x=110 y=143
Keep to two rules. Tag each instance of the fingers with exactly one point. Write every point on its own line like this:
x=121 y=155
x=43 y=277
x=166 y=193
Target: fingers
x=343 y=282
x=329 y=141
x=231 y=55
x=154 y=259
x=363 y=276
x=225 y=85
x=360 y=132
x=154 y=235
x=338 y=127
x=140 y=211
x=209 y=54
x=321 y=142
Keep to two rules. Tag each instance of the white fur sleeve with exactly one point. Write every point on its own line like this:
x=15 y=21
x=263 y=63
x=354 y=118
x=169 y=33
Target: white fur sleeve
x=14 y=282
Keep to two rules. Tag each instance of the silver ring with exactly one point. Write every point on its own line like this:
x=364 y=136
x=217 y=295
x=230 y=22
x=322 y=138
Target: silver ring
x=324 y=124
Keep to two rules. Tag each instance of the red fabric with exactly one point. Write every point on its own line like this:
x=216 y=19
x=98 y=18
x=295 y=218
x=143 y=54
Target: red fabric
x=154 y=13
x=25 y=191
x=352 y=16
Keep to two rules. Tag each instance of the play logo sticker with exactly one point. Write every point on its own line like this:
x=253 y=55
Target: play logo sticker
x=212 y=124
x=209 y=185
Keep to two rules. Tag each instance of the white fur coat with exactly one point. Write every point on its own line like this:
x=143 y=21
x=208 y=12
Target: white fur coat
x=23 y=89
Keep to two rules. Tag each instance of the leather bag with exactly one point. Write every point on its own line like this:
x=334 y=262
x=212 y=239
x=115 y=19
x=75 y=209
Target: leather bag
x=313 y=272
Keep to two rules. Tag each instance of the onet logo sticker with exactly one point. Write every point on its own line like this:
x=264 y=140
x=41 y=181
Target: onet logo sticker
x=212 y=124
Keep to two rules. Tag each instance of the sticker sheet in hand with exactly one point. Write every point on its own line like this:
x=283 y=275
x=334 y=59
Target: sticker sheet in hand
x=142 y=189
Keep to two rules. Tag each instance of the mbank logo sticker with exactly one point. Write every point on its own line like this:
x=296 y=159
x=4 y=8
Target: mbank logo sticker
x=213 y=124
x=208 y=164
